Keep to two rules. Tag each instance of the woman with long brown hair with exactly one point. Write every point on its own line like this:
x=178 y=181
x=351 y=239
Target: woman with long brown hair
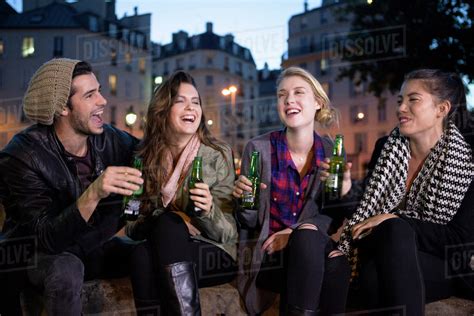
x=180 y=246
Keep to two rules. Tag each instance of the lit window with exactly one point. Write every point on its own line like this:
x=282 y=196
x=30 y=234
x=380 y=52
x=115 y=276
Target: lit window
x=142 y=65
x=113 y=84
x=128 y=61
x=28 y=48
x=324 y=66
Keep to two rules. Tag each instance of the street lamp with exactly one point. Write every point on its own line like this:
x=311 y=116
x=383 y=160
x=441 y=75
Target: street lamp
x=232 y=90
x=130 y=118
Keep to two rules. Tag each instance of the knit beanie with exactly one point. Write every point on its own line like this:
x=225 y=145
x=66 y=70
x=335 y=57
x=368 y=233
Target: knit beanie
x=48 y=90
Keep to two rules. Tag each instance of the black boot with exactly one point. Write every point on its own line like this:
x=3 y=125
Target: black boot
x=180 y=289
x=297 y=311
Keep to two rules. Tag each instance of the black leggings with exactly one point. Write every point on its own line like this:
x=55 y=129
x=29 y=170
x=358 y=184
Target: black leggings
x=395 y=275
x=305 y=276
x=169 y=242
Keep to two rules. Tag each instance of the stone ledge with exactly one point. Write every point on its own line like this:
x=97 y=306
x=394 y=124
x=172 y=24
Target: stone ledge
x=115 y=297
x=452 y=306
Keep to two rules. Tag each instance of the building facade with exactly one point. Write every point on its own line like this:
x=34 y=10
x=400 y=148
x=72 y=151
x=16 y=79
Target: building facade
x=216 y=63
x=118 y=50
x=363 y=117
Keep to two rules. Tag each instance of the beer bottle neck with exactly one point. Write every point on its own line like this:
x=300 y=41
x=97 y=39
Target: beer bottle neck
x=338 y=148
x=253 y=166
x=197 y=169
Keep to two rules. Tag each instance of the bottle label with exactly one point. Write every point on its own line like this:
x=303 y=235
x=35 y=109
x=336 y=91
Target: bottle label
x=332 y=180
x=248 y=198
x=132 y=207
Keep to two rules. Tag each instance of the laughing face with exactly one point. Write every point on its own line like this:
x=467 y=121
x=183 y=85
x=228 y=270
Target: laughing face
x=186 y=112
x=297 y=104
x=86 y=105
x=419 y=113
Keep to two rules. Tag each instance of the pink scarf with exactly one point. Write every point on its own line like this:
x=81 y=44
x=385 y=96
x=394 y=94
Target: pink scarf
x=168 y=189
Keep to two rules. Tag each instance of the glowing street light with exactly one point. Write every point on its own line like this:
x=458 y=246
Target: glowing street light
x=229 y=90
x=130 y=117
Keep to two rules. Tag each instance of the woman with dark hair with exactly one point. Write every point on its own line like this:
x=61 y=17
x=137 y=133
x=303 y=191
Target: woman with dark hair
x=414 y=224
x=291 y=252
x=182 y=251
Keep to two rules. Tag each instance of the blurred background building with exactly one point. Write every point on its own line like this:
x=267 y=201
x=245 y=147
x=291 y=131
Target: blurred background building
x=118 y=49
x=239 y=100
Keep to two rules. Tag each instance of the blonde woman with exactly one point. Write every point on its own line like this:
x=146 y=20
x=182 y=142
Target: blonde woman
x=291 y=253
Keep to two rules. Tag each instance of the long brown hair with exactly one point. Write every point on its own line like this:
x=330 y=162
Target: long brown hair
x=157 y=134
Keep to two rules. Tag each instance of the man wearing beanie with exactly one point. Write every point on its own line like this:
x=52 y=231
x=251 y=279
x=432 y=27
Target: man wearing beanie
x=61 y=184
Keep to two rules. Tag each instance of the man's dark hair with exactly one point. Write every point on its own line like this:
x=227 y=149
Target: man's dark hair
x=81 y=68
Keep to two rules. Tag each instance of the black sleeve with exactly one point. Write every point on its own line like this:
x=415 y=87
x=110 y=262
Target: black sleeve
x=34 y=208
x=434 y=238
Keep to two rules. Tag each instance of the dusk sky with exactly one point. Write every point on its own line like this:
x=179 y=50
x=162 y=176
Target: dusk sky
x=260 y=25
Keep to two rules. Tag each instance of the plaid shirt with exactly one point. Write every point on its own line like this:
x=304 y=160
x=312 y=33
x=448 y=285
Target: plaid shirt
x=288 y=190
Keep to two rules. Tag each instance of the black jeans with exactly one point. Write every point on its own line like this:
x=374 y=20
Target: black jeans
x=60 y=277
x=304 y=275
x=392 y=270
x=169 y=242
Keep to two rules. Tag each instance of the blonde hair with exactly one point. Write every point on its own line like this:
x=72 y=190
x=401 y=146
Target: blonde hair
x=327 y=115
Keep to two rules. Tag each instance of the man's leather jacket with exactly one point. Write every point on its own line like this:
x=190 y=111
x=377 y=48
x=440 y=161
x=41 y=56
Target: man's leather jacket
x=39 y=188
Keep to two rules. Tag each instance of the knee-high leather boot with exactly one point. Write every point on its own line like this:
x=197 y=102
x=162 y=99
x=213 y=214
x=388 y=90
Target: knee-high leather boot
x=179 y=289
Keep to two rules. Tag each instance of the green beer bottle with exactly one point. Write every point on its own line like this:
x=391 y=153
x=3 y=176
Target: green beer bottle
x=250 y=199
x=131 y=203
x=332 y=188
x=196 y=177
